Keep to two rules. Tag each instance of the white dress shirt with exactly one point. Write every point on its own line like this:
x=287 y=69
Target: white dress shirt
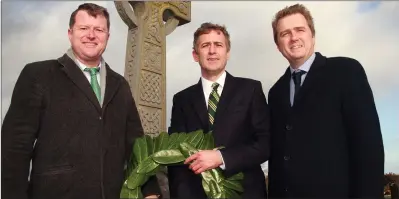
x=207 y=88
x=87 y=74
x=305 y=67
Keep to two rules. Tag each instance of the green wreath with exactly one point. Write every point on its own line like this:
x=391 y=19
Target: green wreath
x=150 y=154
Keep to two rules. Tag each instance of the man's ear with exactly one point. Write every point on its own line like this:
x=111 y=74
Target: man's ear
x=195 y=55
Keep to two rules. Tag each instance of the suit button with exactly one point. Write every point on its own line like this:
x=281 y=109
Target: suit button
x=286 y=157
x=286 y=189
x=288 y=127
x=100 y=118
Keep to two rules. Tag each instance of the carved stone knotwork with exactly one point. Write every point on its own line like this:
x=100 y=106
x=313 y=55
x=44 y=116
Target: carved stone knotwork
x=148 y=24
x=151 y=119
x=150 y=89
x=152 y=57
x=154 y=26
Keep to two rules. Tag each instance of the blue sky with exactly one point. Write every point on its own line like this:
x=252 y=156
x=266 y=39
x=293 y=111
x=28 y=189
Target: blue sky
x=367 y=31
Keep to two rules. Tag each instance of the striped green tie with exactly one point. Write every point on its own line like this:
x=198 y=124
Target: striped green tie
x=212 y=104
x=94 y=83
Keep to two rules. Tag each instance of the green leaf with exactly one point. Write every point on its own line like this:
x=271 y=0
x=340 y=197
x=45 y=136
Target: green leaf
x=154 y=171
x=168 y=156
x=161 y=142
x=207 y=143
x=215 y=189
x=233 y=185
x=135 y=180
x=150 y=144
x=194 y=138
x=187 y=150
x=230 y=194
x=140 y=149
x=147 y=165
x=174 y=140
x=130 y=193
x=216 y=175
x=238 y=176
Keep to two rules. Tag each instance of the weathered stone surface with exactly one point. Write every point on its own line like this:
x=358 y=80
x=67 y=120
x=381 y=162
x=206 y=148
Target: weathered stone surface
x=148 y=24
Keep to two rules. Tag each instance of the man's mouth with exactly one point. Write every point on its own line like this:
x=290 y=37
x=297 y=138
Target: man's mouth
x=296 y=46
x=90 y=44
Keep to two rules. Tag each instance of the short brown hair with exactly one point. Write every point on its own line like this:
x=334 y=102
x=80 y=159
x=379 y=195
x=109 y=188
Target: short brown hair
x=294 y=9
x=206 y=28
x=93 y=10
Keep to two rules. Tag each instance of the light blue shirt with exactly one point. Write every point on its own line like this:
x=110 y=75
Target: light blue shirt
x=305 y=67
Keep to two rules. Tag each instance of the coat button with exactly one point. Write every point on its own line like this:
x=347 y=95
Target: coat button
x=288 y=127
x=286 y=189
x=100 y=118
x=286 y=157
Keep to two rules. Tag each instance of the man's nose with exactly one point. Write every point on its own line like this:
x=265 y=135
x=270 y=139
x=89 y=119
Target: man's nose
x=90 y=33
x=294 y=36
x=212 y=49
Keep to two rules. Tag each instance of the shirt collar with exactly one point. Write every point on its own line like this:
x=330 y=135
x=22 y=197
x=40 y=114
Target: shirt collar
x=305 y=66
x=83 y=66
x=207 y=85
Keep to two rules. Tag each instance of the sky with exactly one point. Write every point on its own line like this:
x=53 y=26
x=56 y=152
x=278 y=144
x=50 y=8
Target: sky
x=367 y=31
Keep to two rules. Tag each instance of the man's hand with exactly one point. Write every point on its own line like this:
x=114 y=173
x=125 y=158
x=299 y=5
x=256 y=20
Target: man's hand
x=204 y=160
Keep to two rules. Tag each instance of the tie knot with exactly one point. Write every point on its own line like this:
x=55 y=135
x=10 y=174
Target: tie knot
x=92 y=71
x=296 y=76
x=215 y=86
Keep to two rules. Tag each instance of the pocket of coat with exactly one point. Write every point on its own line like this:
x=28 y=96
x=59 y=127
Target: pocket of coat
x=56 y=170
x=55 y=182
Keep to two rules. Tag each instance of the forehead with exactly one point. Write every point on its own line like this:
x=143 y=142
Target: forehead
x=291 y=21
x=212 y=36
x=83 y=18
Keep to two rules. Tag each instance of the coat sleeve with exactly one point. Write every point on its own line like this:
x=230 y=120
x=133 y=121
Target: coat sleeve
x=135 y=130
x=366 y=151
x=259 y=150
x=19 y=132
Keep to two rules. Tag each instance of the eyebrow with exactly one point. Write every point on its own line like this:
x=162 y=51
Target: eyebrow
x=295 y=28
x=209 y=42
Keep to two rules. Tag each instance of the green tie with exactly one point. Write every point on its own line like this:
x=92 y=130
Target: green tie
x=212 y=104
x=94 y=83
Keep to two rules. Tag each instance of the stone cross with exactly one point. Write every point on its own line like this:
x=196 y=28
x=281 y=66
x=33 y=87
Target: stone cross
x=149 y=23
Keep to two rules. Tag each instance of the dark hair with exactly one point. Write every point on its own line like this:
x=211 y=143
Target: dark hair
x=208 y=27
x=294 y=9
x=93 y=10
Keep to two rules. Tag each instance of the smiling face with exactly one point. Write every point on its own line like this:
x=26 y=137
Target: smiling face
x=89 y=36
x=295 y=39
x=211 y=53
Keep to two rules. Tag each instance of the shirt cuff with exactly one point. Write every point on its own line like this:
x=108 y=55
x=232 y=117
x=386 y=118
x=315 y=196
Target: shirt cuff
x=222 y=166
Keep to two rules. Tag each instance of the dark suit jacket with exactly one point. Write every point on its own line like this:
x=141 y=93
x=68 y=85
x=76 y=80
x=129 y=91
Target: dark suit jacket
x=241 y=125
x=81 y=148
x=329 y=144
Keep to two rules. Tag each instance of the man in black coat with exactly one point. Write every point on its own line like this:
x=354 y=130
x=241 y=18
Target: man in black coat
x=237 y=114
x=74 y=118
x=326 y=137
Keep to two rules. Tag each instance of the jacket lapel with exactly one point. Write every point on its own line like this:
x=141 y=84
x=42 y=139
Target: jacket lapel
x=198 y=100
x=285 y=91
x=78 y=78
x=310 y=79
x=225 y=99
x=112 y=85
